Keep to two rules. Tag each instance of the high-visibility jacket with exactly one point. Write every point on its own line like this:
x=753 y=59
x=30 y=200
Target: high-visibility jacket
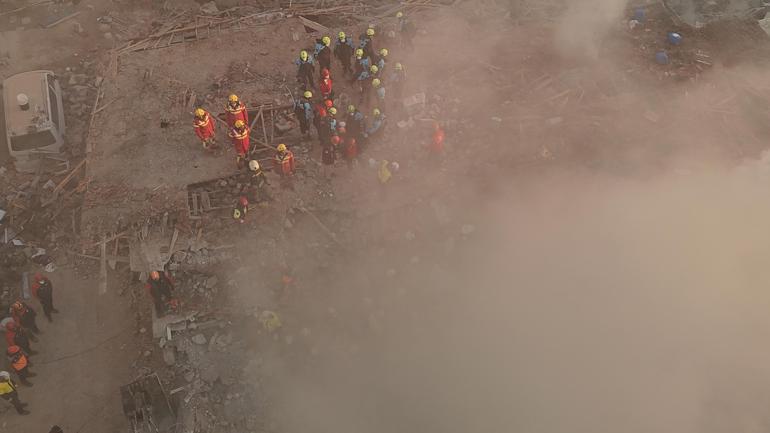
x=240 y=140
x=326 y=87
x=284 y=163
x=236 y=113
x=204 y=128
x=18 y=361
x=7 y=387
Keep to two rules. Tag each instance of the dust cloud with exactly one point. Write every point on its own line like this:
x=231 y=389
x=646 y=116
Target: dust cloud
x=584 y=24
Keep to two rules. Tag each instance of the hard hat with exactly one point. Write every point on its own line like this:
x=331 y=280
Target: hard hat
x=376 y=112
x=325 y=73
x=376 y=82
x=155 y=275
x=332 y=111
x=243 y=201
x=253 y=165
x=12 y=350
x=326 y=40
x=329 y=103
x=308 y=94
x=335 y=139
x=370 y=32
x=199 y=112
x=398 y=66
x=341 y=130
x=281 y=148
x=4 y=375
x=399 y=14
x=341 y=124
x=359 y=53
x=232 y=98
x=373 y=69
x=303 y=55
x=384 y=52
x=240 y=123
x=351 y=108
x=341 y=35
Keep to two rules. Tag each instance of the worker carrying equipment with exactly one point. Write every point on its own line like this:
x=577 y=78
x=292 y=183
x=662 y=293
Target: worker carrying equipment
x=323 y=53
x=8 y=392
x=42 y=289
x=305 y=70
x=284 y=161
x=204 y=128
x=343 y=51
x=19 y=364
x=240 y=138
x=160 y=285
x=236 y=110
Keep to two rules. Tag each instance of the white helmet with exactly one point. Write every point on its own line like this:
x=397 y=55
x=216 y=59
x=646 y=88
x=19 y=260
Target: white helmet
x=253 y=165
x=4 y=375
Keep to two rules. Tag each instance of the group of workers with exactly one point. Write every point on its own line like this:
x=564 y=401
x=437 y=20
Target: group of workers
x=21 y=330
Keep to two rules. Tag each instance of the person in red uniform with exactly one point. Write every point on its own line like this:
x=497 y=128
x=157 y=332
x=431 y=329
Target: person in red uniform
x=204 y=128
x=326 y=84
x=42 y=289
x=160 y=285
x=240 y=137
x=16 y=336
x=236 y=110
x=284 y=161
x=24 y=316
x=437 y=142
x=20 y=364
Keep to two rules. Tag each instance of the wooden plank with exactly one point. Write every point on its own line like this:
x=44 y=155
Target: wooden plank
x=314 y=25
x=173 y=241
x=68 y=177
x=103 y=267
x=113 y=263
x=61 y=20
x=264 y=129
x=195 y=204
x=205 y=201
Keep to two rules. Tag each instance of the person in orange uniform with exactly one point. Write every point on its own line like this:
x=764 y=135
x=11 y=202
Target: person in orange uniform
x=160 y=285
x=240 y=137
x=204 y=128
x=24 y=316
x=16 y=336
x=437 y=143
x=20 y=364
x=236 y=111
x=284 y=161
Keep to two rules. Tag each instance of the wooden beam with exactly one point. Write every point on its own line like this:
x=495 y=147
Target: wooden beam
x=103 y=267
x=314 y=25
x=68 y=177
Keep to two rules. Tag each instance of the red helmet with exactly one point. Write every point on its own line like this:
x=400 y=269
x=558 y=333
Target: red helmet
x=155 y=275
x=10 y=326
x=352 y=141
x=329 y=103
x=335 y=139
x=243 y=201
x=13 y=350
x=325 y=73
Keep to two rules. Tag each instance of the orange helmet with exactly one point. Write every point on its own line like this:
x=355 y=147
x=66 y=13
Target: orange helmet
x=329 y=103
x=336 y=139
x=13 y=350
x=155 y=275
x=17 y=306
x=243 y=201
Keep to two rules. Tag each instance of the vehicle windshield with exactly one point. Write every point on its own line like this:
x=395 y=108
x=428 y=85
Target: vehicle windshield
x=34 y=140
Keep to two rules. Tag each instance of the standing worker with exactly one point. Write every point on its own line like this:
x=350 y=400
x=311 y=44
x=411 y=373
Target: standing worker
x=325 y=85
x=160 y=286
x=379 y=89
x=343 y=51
x=303 y=109
x=366 y=42
x=396 y=81
x=323 y=53
x=42 y=289
x=9 y=393
x=204 y=128
x=378 y=124
x=355 y=124
x=20 y=364
x=406 y=30
x=284 y=161
x=24 y=316
x=15 y=335
x=361 y=69
x=236 y=110
x=380 y=59
x=305 y=70
x=258 y=181
x=240 y=137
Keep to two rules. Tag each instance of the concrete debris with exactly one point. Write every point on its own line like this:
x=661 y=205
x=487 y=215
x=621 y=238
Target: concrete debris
x=199 y=339
x=211 y=282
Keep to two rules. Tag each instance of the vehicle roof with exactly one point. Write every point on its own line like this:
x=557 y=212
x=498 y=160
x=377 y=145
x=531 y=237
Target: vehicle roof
x=33 y=84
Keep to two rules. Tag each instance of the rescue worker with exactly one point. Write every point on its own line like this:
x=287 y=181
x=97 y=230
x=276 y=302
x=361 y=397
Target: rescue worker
x=42 y=289
x=325 y=85
x=379 y=60
x=241 y=209
x=258 y=181
x=379 y=90
x=16 y=336
x=303 y=109
x=319 y=111
x=323 y=53
x=378 y=124
x=366 y=42
x=328 y=157
x=236 y=110
x=305 y=70
x=323 y=128
x=351 y=151
x=361 y=70
x=396 y=81
x=240 y=138
x=9 y=393
x=437 y=141
x=284 y=161
x=332 y=120
x=406 y=30
x=24 y=316
x=343 y=51
x=160 y=285
x=20 y=364
x=204 y=128
x=355 y=123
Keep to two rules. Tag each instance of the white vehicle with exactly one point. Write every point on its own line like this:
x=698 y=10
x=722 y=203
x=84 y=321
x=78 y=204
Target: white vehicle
x=34 y=118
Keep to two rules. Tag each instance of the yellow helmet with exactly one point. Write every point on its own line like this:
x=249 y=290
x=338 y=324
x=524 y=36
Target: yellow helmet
x=370 y=32
x=332 y=111
x=239 y=124
x=398 y=66
x=359 y=53
x=376 y=82
x=351 y=108
x=373 y=69
x=341 y=36
x=384 y=52
x=399 y=14
x=303 y=55
x=199 y=112
x=233 y=97
x=281 y=148
x=376 y=111
x=326 y=40
x=308 y=94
